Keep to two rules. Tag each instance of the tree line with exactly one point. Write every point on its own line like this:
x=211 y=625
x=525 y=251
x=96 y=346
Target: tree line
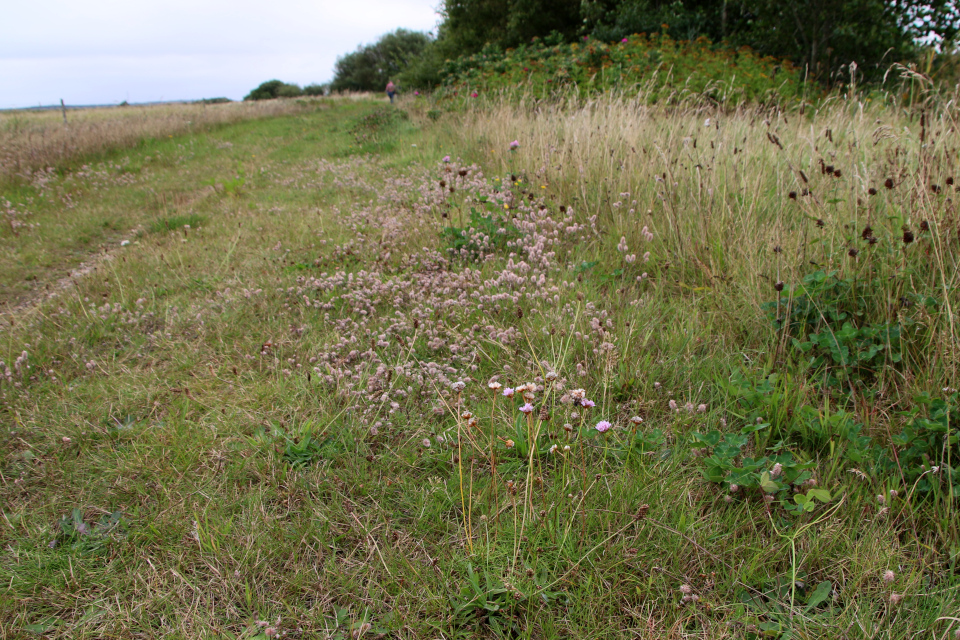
x=821 y=37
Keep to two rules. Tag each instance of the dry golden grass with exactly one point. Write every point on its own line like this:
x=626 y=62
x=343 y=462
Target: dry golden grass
x=32 y=140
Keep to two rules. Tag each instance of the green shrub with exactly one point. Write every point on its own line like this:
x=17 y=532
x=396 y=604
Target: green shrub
x=658 y=65
x=273 y=89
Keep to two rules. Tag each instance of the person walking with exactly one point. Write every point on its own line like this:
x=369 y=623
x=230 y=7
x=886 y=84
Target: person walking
x=391 y=90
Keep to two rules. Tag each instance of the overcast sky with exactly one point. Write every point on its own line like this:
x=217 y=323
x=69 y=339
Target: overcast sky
x=108 y=51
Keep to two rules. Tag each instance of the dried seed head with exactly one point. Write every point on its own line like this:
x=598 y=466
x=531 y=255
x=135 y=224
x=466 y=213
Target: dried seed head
x=636 y=420
x=494 y=386
x=551 y=376
x=872 y=191
x=888 y=183
x=907 y=237
x=778 y=286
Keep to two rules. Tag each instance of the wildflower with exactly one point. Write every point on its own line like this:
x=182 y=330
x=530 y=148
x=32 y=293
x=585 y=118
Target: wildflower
x=895 y=598
x=889 y=576
x=568 y=427
x=689 y=407
x=66 y=440
x=466 y=415
x=734 y=488
x=578 y=394
x=881 y=499
x=603 y=426
x=631 y=258
x=553 y=449
x=494 y=386
x=474 y=94
x=636 y=420
x=551 y=376
x=622 y=247
x=459 y=386
x=566 y=448
x=528 y=395
x=656 y=385
x=510 y=444
x=426 y=443
x=446 y=158
x=673 y=405
x=527 y=408
x=686 y=589
x=514 y=145
x=624 y=40
x=893 y=493
x=776 y=471
x=508 y=392
x=701 y=408
x=588 y=403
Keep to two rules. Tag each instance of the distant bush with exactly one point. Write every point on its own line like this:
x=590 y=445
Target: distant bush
x=274 y=89
x=316 y=89
x=214 y=100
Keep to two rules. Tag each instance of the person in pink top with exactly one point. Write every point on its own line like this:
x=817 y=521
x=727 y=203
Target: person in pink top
x=391 y=90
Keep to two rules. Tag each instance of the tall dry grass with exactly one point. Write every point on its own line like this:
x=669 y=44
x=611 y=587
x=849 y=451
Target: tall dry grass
x=742 y=198
x=32 y=140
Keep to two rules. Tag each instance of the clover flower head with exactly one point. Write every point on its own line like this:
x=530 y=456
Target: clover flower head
x=603 y=426
x=673 y=405
x=458 y=386
x=701 y=408
x=426 y=442
x=889 y=576
x=514 y=145
x=686 y=589
x=446 y=158
x=776 y=471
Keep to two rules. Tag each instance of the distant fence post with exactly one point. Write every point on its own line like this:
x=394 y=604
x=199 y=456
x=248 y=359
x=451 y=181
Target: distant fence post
x=63 y=108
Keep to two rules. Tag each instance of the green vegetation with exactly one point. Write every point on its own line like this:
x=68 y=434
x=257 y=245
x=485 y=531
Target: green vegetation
x=372 y=66
x=596 y=368
x=659 y=67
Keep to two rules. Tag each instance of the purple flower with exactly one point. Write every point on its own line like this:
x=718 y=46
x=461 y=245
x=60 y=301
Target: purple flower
x=446 y=158
x=624 y=40
x=508 y=392
x=514 y=145
x=474 y=94
x=527 y=408
x=588 y=403
x=416 y=93
x=603 y=426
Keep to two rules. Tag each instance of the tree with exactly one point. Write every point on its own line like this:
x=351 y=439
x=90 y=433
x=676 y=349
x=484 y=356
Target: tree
x=370 y=67
x=469 y=25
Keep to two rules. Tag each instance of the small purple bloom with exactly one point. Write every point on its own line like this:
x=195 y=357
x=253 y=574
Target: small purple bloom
x=446 y=158
x=507 y=391
x=603 y=426
x=624 y=40
x=514 y=145
x=527 y=408
x=588 y=403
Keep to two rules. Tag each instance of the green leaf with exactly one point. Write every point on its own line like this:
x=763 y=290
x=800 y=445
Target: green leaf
x=820 y=594
x=820 y=494
x=767 y=484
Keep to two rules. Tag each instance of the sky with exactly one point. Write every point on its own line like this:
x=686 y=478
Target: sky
x=107 y=51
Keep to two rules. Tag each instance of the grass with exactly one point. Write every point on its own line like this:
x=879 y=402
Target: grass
x=253 y=425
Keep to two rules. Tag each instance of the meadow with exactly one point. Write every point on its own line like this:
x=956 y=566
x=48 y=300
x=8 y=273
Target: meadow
x=590 y=368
